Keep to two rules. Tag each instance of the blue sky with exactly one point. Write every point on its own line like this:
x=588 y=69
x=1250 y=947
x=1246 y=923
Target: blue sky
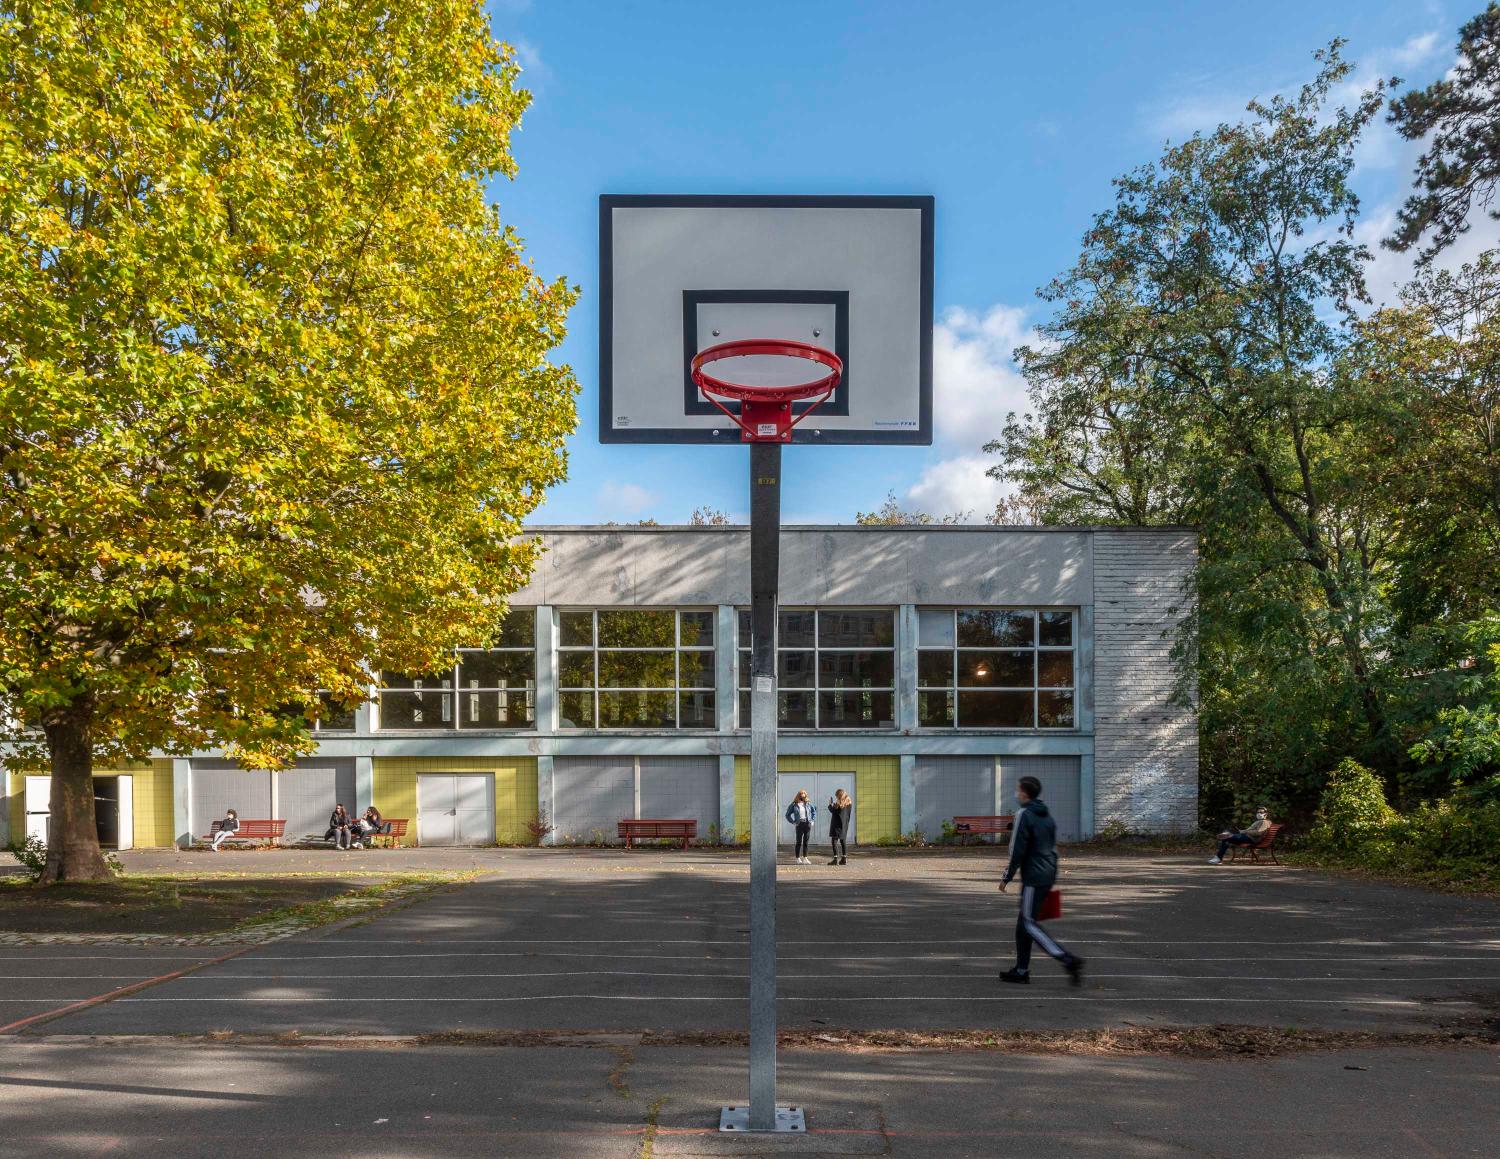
x=1015 y=116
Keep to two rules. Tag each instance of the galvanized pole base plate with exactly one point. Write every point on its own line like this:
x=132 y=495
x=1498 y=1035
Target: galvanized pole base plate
x=789 y=1121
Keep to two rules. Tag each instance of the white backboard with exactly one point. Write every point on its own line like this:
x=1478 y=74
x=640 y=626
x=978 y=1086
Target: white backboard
x=681 y=273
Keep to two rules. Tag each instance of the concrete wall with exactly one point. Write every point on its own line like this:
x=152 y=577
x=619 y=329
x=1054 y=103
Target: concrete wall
x=1145 y=748
x=591 y=566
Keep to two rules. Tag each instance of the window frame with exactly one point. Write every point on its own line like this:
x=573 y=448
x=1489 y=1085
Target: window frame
x=676 y=690
x=956 y=688
x=816 y=690
x=453 y=690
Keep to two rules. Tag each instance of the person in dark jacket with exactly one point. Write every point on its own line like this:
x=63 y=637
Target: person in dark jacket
x=800 y=815
x=1033 y=854
x=227 y=829
x=840 y=805
x=339 y=825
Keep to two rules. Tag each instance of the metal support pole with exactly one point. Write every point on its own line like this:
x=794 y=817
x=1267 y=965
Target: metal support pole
x=765 y=550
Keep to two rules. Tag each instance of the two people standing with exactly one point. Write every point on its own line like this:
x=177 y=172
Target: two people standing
x=801 y=814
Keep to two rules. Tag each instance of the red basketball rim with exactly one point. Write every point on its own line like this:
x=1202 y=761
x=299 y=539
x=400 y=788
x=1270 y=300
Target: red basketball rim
x=779 y=347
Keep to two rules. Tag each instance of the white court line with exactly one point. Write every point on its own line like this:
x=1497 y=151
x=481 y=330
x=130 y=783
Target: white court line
x=785 y=998
x=980 y=953
x=1352 y=942
x=288 y=979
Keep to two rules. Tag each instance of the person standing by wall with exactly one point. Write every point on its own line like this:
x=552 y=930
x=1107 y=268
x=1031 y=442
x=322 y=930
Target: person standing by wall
x=800 y=814
x=840 y=805
x=1033 y=854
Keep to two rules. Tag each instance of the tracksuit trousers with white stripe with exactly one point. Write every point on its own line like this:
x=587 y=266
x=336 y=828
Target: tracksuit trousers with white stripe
x=1029 y=930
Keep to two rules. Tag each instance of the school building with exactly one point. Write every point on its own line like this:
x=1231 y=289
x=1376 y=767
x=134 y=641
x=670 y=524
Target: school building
x=925 y=669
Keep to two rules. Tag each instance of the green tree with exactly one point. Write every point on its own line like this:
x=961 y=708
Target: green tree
x=276 y=393
x=891 y=514
x=1458 y=117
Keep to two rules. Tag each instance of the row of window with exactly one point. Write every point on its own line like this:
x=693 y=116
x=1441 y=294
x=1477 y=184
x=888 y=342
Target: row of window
x=835 y=668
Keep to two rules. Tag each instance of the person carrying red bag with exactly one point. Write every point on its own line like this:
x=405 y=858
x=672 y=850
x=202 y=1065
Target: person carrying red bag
x=1033 y=854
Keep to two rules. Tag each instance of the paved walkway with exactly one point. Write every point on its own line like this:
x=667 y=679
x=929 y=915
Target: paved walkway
x=127 y=1098
x=607 y=940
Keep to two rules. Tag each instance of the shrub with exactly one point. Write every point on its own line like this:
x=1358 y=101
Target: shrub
x=538 y=828
x=1353 y=809
x=32 y=853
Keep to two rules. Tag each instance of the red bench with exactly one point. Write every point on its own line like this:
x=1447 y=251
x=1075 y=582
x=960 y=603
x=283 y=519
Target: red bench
x=266 y=832
x=633 y=829
x=1254 y=851
x=392 y=830
x=967 y=827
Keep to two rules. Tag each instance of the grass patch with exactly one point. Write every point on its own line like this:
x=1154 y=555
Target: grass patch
x=199 y=904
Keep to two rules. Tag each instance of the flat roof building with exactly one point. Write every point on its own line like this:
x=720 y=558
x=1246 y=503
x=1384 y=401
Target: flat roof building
x=925 y=669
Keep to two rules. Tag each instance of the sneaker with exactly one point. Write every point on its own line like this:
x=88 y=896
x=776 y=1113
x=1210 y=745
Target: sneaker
x=835 y=861
x=1216 y=861
x=1019 y=977
x=1074 y=967
x=843 y=861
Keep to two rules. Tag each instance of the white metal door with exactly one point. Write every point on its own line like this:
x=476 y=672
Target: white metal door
x=820 y=787
x=437 y=814
x=455 y=809
x=38 y=806
x=126 y=806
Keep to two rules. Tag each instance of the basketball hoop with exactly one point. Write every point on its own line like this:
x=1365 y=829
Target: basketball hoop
x=766 y=411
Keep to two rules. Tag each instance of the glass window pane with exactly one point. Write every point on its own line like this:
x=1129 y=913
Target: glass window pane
x=996 y=669
x=795 y=709
x=857 y=629
x=856 y=669
x=636 y=669
x=995 y=709
x=934 y=628
x=576 y=629
x=744 y=721
x=795 y=669
x=637 y=710
x=856 y=710
x=695 y=670
x=518 y=629
x=442 y=679
x=416 y=710
x=696 y=709
x=496 y=669
x=934 y=709
x=995 y=629
x=744 y=668
x=637 y=629
x=935 y=669
x=697 y=630
x=1054 y=709
x=576 y=709
x=333 y=716
x=744 y=624
x=1054 y=669
x=575 y=669
x=1055 y=628
x=504 y=709
x=796 y=629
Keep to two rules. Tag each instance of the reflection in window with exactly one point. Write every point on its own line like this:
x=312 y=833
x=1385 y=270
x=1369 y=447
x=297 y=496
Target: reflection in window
x=636 y=668
x=995 y=668
x=486 y=688
x=835 y=668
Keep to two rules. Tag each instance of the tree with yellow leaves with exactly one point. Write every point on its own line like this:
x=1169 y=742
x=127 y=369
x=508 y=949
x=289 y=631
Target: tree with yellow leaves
x=274 y=389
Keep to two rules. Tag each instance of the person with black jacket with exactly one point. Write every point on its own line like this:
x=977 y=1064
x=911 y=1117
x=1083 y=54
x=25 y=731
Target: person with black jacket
x=339 y=825
x=1033 y=854
x=840 y=805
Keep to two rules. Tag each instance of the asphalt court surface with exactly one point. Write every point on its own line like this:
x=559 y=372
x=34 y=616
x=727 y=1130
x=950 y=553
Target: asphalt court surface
x=658 y=941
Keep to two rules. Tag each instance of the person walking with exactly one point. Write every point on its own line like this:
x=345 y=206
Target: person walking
x=839 y=807
x=800 y=814
x=1033 y=854
x=227 y=829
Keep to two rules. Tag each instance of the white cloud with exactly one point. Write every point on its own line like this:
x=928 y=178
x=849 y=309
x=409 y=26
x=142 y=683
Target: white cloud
x=623 y=500
x=975 y=383
x=958 y=484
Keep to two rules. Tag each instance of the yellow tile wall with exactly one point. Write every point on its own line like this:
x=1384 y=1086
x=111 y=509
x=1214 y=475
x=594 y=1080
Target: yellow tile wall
x=395 y=788
x=154 y=824
x=877 y=790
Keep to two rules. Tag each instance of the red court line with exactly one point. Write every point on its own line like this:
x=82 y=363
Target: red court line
x=120 y=992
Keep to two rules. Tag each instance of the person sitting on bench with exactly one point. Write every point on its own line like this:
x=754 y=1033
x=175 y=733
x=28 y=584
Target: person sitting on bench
x=1242 y=836
x=370 y=825
x=339 y=826
x=227 y=829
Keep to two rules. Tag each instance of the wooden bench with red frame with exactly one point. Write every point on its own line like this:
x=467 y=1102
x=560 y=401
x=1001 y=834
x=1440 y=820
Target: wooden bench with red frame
x=266 y=832
x=967 y=827
x=392 y=830
x=1254 y=851
x=634 y=829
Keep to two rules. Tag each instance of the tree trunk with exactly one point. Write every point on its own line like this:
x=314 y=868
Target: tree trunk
x=73 y=852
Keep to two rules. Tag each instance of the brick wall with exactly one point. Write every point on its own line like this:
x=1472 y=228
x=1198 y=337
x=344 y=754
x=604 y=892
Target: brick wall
x=1145 y=749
